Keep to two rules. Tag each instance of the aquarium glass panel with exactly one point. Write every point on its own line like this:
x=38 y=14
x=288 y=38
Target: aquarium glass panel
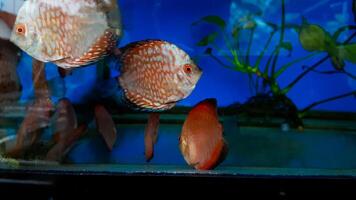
x=234 y=87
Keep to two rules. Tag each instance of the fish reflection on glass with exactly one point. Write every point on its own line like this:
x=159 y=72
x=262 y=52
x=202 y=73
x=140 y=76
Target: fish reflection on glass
x=64 y=122
x=156 y=74
x=65 y=119
x=9 y=58
x=38 y=113
x=7 y=21
x=37 y=118
x=201 y=142
x=69 y=33
x=63 y=146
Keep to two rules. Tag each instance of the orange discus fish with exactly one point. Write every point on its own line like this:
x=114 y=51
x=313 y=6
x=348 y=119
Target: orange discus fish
x=69 y=33
x=201 y=142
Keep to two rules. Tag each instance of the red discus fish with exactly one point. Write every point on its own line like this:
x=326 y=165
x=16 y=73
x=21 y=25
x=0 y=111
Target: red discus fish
x=201 y=142
x=69 y=33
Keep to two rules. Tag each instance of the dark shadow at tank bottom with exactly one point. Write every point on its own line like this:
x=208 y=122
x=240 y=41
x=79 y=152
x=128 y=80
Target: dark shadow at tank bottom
x=45 y=186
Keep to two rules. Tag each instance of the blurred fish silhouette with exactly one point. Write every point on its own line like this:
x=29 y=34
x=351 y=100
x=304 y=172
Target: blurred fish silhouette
x=201 y=142
x=69 y=33
x=9 y=57
x=7 y=21
x=155 y=75
x=38 y=113
x=65 y=122
x=64 y=145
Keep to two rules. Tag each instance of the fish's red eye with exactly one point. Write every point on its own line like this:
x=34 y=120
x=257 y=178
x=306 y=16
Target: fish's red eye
x=188 y=68
x=20 y=29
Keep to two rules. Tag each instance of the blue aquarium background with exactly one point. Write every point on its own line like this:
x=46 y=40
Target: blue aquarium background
x=172 y=20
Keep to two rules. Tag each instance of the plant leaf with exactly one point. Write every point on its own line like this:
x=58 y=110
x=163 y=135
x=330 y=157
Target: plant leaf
x=347 y=52
x=208 y=39
x=313 y=37
x=212 y=19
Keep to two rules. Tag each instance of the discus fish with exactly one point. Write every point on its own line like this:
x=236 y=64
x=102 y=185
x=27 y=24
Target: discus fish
x=69 y=33
x=201 y=142
x=156 y=74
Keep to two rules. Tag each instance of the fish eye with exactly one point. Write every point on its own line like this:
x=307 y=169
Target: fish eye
x=20 y=29
x=188 y=68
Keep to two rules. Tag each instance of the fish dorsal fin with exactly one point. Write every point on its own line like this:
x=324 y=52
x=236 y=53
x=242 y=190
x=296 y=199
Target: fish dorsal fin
x=126 y=49
x=112 y=10
x=133 y=49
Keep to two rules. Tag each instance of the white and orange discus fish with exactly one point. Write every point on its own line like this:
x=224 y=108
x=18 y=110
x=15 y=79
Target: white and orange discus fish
x=69 y=33
x=156 y=74
x=201 y=142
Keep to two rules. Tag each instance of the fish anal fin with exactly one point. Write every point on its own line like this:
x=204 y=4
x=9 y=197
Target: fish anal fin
x=105 y=126
x=151 y=135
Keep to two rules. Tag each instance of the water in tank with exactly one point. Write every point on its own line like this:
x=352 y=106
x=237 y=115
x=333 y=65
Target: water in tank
x=252 y=87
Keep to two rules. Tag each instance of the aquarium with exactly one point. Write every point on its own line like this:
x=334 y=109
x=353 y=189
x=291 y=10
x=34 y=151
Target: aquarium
x=211 y=88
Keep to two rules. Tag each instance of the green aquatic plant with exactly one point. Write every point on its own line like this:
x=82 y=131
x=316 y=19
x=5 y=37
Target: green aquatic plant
x=264 y=76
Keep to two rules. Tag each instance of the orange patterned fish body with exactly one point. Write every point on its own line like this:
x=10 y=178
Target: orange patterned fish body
x=201 y=142
x=69 y=33
x=156 y=74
